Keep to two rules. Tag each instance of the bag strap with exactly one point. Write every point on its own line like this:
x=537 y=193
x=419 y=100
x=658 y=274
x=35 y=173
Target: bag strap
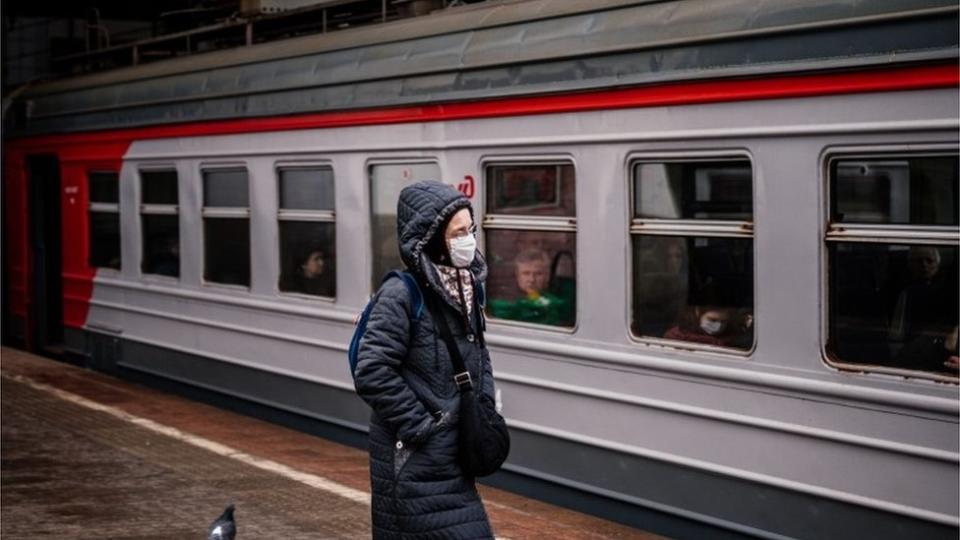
x=416 y=296
x=461 y=375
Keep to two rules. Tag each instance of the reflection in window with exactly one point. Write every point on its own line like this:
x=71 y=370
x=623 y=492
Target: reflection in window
x=893 y=293
x=537 y=190
x=307 y=231
x=160 y=223
x=530 y=240
x=226 y=225
x=688 y=286
x=104 y=214
x=386 y=181
x=693 y=190
x=917 y=190
x=105 y=239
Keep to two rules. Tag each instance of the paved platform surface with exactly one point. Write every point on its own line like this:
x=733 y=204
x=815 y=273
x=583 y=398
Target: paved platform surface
x=86 y=456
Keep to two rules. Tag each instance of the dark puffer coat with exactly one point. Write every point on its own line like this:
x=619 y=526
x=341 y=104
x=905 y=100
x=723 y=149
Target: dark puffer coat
x=404 y=373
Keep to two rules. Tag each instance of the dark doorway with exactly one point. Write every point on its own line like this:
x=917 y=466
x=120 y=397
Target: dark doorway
x=46 y=305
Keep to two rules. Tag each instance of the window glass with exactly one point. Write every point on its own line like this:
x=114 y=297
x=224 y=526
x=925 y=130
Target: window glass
x=715 y=190
x=225 y=188
x=227 y=250
x=105 y=239
x=894 y=305
x=307 y=257
x=104 y=187
x=694 y=289
x=386 y=182
x=532 y=276
x=907 y=190
x=306 y=189
x=159 y=187
x=531 y=190
x=161 y=245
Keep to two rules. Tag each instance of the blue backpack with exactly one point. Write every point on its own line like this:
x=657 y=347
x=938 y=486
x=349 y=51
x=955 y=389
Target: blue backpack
x=416 y=310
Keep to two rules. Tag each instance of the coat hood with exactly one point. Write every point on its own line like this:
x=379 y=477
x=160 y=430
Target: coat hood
x=421 y=210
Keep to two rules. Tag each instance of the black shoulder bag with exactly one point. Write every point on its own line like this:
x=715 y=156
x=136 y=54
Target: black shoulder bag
x=484 y=439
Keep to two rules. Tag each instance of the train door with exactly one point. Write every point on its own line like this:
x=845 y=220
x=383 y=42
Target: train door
x=46 y=291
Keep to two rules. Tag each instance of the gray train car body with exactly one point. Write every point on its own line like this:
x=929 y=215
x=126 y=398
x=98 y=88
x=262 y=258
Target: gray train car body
x=777 y=437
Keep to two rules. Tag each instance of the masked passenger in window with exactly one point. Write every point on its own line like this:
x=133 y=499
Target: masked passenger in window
x=308 y=273
x=713 y=321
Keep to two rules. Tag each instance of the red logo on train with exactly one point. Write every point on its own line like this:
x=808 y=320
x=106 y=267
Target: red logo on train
x=467 y=186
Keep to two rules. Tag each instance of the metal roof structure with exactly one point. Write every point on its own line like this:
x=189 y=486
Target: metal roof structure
x=498 y=49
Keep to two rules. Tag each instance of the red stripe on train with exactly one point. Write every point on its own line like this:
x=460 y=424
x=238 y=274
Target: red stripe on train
x=684 y=93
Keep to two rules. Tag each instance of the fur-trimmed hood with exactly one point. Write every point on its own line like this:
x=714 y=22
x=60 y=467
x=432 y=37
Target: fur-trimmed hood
x=421 y=210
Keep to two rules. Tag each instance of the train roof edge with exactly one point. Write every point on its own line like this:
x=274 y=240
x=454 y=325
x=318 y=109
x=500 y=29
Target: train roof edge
x=504 y=49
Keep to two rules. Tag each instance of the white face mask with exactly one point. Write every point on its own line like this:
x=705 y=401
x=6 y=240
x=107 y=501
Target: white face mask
x=712 y=327
x=462 y=250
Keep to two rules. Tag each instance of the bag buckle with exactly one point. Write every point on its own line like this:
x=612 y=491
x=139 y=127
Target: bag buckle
x=463 y=380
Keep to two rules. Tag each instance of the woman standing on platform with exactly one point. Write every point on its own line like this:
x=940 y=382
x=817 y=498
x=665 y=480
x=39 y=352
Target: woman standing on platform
x=405 y=373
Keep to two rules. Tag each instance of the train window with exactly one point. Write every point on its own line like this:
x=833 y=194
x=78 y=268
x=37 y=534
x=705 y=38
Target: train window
x=308 y=188
x=160 y=223
x=893 y=264
x=386 y=181
x=226 y=226
x=307 y=239
x=910 y=190
x=531 y=243
x=104 y=212
x=226 y=188
x=702 y=190
x=692 y=246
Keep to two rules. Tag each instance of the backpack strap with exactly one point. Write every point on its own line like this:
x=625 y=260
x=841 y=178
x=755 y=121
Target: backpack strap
x=416 y=296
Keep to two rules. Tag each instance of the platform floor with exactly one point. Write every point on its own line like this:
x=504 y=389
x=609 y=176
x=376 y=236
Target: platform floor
x=86 y=455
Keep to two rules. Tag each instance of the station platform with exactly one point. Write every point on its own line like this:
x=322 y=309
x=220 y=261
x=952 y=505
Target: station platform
x=89 y=456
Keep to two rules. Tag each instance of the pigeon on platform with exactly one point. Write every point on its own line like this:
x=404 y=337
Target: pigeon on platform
x=223 y=528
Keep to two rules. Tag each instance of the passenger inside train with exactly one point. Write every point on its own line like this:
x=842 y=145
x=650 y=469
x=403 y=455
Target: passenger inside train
x=541 y=296
x=713 y=318
x=163 y=256
x=923 y=321
x=306 y=273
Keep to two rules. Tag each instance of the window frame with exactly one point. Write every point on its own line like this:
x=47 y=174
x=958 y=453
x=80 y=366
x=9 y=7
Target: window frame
x=157 y=210
x=866 y=233
x=300 y=215
x=231 y=212
x=555 y=224
x=104 y=208
x=687 y=228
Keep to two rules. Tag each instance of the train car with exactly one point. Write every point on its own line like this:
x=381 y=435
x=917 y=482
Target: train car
x=722 y=236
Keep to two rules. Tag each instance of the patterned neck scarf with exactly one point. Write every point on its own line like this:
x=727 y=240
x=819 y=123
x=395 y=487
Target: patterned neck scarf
x=448 y=277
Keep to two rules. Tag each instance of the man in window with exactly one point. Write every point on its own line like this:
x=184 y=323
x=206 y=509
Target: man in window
x=534 y=300
x=925 y=313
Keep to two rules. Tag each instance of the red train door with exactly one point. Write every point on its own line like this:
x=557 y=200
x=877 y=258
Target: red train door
x=46 y=291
